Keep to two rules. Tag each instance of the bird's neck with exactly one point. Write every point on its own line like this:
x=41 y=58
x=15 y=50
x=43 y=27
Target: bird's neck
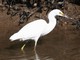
x=52 y=20
x=52 y=23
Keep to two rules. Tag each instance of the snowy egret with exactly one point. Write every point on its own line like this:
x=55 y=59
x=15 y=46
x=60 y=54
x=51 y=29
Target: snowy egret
x=34 y=30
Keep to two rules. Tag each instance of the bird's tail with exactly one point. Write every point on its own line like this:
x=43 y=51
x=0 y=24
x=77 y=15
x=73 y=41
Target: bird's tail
x=15 y=36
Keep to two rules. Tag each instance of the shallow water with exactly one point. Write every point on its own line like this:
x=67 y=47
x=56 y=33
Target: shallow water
x=18 y=55
x=60 y=44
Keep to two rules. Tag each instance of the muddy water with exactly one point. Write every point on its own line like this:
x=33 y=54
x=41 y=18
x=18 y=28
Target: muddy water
x=63 y=43
x=60 y=44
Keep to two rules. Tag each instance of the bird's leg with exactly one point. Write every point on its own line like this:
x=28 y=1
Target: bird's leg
x=22 y=48
x=34 y=48
x=35 y=45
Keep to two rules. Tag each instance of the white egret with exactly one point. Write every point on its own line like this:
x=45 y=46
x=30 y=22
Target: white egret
x=34 y=30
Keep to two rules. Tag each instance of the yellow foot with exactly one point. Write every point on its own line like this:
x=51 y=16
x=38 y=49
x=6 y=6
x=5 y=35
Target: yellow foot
x=22 y=48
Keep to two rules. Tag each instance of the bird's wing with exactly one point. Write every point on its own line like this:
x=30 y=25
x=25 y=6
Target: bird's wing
x=32 y=29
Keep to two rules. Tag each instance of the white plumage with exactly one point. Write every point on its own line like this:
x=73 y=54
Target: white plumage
x=30 y=31
x=34 y=30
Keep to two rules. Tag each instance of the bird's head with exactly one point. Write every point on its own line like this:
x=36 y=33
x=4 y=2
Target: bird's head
x=57 y=12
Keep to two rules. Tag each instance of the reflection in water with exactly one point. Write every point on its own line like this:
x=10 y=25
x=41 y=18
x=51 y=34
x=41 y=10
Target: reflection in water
x=19 y=55
x=36 y=56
